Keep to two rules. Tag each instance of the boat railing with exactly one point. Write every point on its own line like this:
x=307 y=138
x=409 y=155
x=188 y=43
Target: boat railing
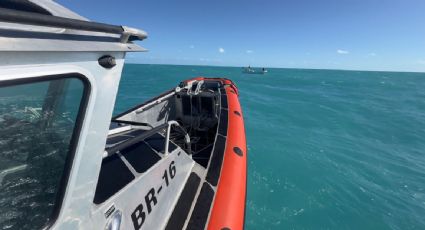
x=125 y=144
x=28 y=18
x=167 y=137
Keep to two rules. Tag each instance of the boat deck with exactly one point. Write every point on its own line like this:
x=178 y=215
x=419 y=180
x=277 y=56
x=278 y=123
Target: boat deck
x=118 y=170
x=138 y=148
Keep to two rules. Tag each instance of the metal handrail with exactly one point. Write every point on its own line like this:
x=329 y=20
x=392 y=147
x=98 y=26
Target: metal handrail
x=167 y=137
x=28 y=18
x=111 y=151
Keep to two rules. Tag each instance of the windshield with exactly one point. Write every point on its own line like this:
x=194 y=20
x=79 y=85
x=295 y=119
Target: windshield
x=37 y=122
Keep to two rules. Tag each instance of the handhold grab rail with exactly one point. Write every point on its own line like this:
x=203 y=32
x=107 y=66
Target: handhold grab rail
x=112 y=150
x=167 y=137
x=28 y=18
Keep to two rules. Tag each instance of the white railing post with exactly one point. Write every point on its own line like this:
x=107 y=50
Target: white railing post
x=167 y=138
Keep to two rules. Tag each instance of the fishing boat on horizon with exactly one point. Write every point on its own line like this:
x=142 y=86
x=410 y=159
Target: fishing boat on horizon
x=176 y=161
x=251 y=70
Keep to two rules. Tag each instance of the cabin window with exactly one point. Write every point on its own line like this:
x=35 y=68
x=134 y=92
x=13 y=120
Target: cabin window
x=39 y=123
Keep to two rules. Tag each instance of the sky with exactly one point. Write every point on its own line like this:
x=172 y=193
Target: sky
x=384 y=35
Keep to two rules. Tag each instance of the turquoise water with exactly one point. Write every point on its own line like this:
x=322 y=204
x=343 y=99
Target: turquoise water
x=327 y=149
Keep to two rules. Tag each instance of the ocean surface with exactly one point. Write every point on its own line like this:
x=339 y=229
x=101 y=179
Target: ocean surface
x=327 y=149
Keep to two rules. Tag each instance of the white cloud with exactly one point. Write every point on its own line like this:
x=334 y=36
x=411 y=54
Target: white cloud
x=221 y=50
x=343 y=51
x=371 y=54
x=192 y=46
x=249 y=51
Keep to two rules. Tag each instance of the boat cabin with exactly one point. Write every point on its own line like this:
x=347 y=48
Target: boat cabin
x=177 y=161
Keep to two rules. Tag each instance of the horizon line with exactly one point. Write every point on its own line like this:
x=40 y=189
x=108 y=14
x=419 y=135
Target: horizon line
x=300 y=68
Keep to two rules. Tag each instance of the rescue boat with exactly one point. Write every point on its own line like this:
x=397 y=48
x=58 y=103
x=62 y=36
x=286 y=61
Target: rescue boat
x=177 y=161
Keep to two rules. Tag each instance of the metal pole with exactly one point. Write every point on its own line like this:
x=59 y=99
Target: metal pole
x=167 y=139
x=15 y=16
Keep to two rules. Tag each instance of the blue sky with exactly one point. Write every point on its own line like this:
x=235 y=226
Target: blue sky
x=325 y=34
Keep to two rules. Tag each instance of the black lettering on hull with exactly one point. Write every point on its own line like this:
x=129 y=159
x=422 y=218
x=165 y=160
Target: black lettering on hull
x=138 y=217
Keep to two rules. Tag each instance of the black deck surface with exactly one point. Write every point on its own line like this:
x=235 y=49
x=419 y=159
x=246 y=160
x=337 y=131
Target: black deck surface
x=216 y=161
x=140 y=156
x=113 y=176
x=157 y=142
x=201 y=211
x=181 y=211
x=224 y=101
x=203 y=156
x=222 y=126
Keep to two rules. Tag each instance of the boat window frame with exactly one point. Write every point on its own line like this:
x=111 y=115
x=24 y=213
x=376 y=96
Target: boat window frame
x=75 y=137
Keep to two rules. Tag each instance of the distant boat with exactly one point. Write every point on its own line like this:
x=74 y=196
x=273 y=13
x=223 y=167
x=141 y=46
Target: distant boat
x=250 y=70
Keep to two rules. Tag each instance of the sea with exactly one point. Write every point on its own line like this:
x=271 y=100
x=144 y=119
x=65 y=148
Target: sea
x=327 y=149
